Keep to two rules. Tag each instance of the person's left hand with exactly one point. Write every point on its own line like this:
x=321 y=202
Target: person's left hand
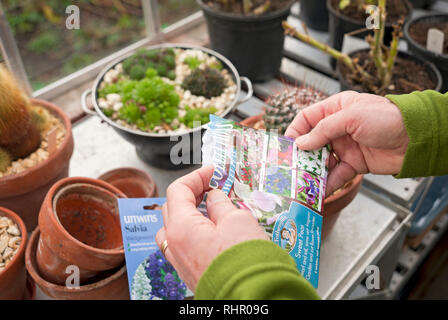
x=193 y=240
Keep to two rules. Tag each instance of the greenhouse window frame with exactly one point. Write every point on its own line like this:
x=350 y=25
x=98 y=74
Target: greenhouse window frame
x=154 y=34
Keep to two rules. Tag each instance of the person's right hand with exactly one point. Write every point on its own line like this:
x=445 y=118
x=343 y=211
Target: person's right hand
x=366 y=133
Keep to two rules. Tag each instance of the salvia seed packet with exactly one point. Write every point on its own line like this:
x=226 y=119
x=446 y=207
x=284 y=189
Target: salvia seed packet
x=150 y=275
x=283 y=186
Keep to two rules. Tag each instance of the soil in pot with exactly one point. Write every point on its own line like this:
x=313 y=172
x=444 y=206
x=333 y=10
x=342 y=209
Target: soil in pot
x=416 y=32
x=419 y=32
x=13 y=239
x=408 y=75
x=109 y=285
x=80 y=226
x=396 y=9
x=133 y=182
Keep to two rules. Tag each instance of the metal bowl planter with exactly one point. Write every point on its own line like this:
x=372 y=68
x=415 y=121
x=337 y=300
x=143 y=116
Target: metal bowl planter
x=157 y=149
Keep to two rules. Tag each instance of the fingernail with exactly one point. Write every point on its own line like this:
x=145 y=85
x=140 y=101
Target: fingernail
x=217 y=195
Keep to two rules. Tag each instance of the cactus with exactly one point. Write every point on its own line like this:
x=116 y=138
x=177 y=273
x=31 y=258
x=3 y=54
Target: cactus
x=40 y=117
x=284 y=106
x=206 y=82
x=5 y=160
x=18 y=135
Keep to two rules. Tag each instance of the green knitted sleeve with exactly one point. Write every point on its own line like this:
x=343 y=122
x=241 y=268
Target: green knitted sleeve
x=253 y=270
x=425 y=116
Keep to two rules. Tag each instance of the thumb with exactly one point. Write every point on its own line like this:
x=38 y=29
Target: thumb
x=326 y=130
x=218 y=205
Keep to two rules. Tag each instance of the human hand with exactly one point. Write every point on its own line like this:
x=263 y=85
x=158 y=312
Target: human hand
x=193 y=240
x=366 y=133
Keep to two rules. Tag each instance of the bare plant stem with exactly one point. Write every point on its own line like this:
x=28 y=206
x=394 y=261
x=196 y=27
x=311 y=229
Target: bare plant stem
x=377 y=52
x=344 y=58
x=247 y=6
x=392 y=55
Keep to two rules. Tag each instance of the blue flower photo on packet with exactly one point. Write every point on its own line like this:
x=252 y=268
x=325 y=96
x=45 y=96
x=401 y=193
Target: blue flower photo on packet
x=150 y=275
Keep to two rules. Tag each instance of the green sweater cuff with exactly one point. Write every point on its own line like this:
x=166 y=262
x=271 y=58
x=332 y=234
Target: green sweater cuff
x=425 y=116
x=253 y=270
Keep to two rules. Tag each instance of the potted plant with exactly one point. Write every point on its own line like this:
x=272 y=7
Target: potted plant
x=248 y=33
x=13 y=239
x=79 y=225
x=36 y=144
x=281 y=109
x=161 y=95
x=314 y=14
x=416 y=33
x=380 y=69
x=347 y=16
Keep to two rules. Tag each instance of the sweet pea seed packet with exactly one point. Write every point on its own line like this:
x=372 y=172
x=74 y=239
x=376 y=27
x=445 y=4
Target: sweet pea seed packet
x=150 y=275
x=282 y=186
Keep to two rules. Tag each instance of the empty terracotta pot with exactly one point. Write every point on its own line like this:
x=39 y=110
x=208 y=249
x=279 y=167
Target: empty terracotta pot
x=13 y=277
x=108 y=285
x=80 y=225
x=134 y=183
x=24 y=192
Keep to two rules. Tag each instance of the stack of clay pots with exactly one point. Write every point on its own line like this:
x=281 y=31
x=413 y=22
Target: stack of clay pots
x=76 y=252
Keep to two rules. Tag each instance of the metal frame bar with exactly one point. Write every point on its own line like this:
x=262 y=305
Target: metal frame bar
x=11 y=53
x=154 y=34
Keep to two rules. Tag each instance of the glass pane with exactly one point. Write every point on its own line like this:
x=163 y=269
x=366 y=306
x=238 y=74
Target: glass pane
x=51 y=51
x=172 y=11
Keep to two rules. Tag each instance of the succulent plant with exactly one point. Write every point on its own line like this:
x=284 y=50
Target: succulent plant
x=40 y=117
x=206 y=82
x=284 y=106
x=5 y=160
x=162 y=60
x=18 y=134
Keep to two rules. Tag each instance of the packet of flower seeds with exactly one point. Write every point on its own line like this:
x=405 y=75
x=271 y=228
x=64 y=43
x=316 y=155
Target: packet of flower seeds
x=283 y=186
x=150 y=275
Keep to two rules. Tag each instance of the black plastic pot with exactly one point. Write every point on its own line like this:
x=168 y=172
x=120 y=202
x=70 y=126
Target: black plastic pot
x=254 y=44
x=339 y=25
x=440 y=60
x=314 y=14
x=422 y=3
x=157 y=149
x=433 y=71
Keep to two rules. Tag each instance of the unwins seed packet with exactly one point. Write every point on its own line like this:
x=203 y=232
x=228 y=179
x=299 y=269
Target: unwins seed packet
x=150 y=275
x=283 y=186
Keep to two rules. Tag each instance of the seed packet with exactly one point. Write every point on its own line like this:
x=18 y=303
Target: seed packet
x=150 y=275
x=283 y=186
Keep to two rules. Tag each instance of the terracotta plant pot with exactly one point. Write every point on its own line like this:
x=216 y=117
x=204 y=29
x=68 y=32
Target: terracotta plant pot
x=80 y=225
x=24 y=192
x=334 y=204
x=134 y=183
x=111 y=285
x=13 y=277
x=30 y=293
